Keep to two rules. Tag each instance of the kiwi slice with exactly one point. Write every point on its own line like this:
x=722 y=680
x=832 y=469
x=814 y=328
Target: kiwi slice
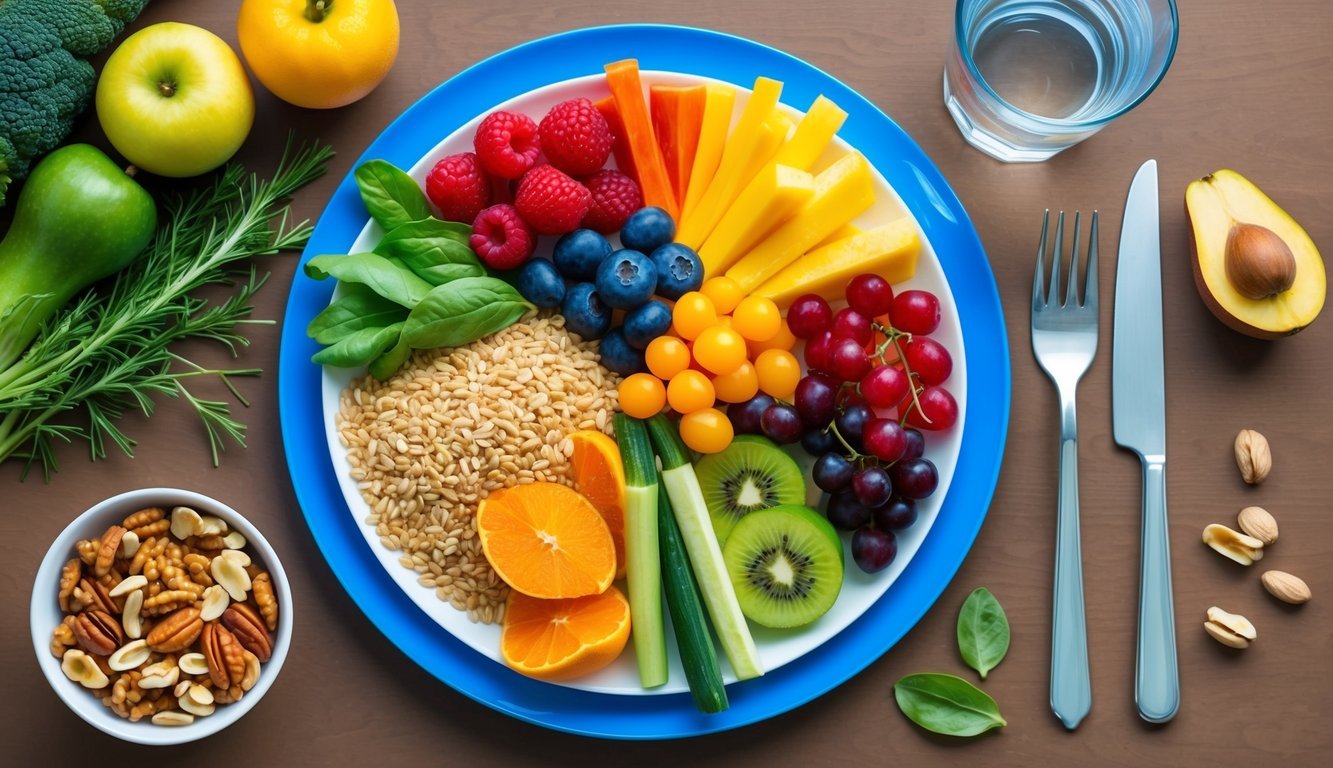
x=752 y=473
x=786 y=564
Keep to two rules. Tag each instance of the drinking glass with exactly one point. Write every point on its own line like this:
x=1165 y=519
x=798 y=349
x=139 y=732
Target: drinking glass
x=1026 y=79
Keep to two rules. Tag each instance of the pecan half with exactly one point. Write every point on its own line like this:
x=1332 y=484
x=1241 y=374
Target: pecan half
x=107 y=549
x=176 y=632
x=248 y=626
x=225 y=656
x=97 y=632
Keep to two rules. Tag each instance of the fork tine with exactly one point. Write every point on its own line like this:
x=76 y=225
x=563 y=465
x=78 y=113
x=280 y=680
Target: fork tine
x=1039 y=276
x=1071 y=290
x=1090 y=286
x=1057 y=248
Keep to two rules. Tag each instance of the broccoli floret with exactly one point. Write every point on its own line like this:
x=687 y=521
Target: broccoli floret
x=45 y=81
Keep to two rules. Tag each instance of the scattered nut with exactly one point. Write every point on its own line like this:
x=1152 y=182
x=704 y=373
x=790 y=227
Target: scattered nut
x=1230 y=629
x=216 y=601
x=185 y=522
x=129 y=544
x=129 y=656
x=1253 y=456
x=128 y=585
x=231 y=575
x=1234 y=545
x=193 y=664
x=1286 y=587
x=129 y=618
x=80 y=667
x=1259 y=523
x=234 y=540
x=172 y=717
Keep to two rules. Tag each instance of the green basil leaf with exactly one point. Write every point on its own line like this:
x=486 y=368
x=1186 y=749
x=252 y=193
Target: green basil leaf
x=433 y=250
x=389 y=279
x=463 y=311
x=359 y=307
x=983 y=631
x=388 y=363
x=392 y=197
x=359 y=347
x=947 y=704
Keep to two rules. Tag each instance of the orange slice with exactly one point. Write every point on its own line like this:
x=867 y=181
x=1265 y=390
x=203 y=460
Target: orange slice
x=546 y=540
x=600 y=476
x=564 y=639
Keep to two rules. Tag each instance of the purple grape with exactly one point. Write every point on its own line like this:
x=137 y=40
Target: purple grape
x=899 y=513
x=818 y=442
x=817 y=398
x=851 y=424
x=872 y=487
x=885 y=439
x=745 y=416
x=845 y=512
x=781 y=423
x=832 y=472
x=914 y=478
x=916 y=443
x=873 y=549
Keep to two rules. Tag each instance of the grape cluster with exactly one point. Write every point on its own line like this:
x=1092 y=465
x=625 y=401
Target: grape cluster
x=873 y=386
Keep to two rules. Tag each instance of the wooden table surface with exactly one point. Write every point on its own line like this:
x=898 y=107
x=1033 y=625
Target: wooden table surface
x=1251 y=89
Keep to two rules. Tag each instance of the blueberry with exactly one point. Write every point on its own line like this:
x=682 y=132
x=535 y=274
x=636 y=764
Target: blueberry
x=646 y=323
x=578 y=253
x=540 y=283
x=647 y=228
x=679 y=270
x=618 y=355
x=585 y=312
x=626 y=279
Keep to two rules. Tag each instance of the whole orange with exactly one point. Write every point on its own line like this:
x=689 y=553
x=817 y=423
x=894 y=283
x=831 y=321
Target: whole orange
x=319 y=54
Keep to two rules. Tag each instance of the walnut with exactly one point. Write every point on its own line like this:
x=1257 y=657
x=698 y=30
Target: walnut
x=264 y=597
x=62 y=638
x=87 y=550
x=197 y=566
x=142 y=555
x=69 y=578
x=166 y=602
x=143 y=517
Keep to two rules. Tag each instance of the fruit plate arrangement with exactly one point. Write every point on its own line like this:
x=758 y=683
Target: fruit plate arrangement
x=818 y=661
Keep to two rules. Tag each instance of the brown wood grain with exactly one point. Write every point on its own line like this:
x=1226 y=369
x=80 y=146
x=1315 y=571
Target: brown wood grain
x=1251 y=88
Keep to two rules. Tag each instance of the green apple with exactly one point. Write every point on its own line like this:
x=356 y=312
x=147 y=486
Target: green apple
x=175 y=100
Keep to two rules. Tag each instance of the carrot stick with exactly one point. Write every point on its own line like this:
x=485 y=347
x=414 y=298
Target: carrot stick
x=619 y=142
x=677 y=114
x=623 y=79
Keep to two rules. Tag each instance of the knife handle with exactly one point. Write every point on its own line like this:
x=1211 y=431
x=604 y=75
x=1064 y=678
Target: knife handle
x=1157 y=680
x=1071 y=688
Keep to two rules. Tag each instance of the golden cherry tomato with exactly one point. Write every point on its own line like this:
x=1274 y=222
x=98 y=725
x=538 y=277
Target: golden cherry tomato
x=706 y=431
x=692 y=314
x=778 y=372
x=667 y=356
x=724 y=292
x=738 y=386
x=642 y=395
x=783 y=339
x=757 y=318
x=720 y=350
x=319 y=54
x=690 y=391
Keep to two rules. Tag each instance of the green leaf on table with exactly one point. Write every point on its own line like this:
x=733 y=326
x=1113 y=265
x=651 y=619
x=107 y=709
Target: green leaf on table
x=983 y=631
x=462 y=311
x=392 y=197
x=359 y=347
x=359 y=307
x=436 y=251
x=389 y=279
x=947 y=704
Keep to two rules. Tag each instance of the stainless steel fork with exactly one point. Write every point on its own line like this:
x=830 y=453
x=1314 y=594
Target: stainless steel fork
x=1064 y=341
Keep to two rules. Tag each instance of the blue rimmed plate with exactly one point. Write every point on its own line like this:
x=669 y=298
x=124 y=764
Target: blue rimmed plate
x=926 y=196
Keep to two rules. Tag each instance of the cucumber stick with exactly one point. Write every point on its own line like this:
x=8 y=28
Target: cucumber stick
x=643 y=567
x=691 y=513
x=687 y=614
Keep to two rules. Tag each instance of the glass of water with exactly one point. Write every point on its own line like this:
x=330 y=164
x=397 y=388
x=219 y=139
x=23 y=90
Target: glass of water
x=1026 y=79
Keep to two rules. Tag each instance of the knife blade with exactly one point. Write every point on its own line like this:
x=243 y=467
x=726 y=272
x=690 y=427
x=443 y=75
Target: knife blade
x=1138 y=404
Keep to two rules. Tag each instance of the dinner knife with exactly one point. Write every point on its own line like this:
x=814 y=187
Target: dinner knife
x=1138 y=397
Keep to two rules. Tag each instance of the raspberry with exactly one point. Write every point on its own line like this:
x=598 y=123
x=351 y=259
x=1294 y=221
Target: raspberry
x=575 y=137
x=615 y=197
x=501 y=238
x=506 y=144
x=458 y=187
x=551 y=202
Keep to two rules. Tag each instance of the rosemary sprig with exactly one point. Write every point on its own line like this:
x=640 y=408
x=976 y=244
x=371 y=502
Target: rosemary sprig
x=110 y=351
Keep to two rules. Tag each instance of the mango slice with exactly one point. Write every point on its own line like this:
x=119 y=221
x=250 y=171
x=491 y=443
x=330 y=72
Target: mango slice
x=768 y=201
x=890 y=251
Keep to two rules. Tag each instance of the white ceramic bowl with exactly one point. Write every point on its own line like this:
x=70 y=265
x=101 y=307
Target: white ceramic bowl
x=46 y=614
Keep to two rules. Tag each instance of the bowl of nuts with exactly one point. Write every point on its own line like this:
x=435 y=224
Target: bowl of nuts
x=161 y=616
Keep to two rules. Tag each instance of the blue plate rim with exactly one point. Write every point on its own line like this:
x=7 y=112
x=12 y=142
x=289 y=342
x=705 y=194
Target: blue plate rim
x=738 y=60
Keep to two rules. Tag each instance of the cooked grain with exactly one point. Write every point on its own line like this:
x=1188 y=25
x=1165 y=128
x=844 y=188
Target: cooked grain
x=426 y=446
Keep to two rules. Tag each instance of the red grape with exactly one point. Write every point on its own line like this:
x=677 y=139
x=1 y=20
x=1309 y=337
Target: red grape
x=899 y=513
x=873 y=549
x=885 y=386
x=914 y=478
x=938 y=410
x=885 y=439
x=817 y=351
x=928 y=359
x=916 y=312
x=850 y=324
x=847 y=360
x=916 y=444
x=871 y=295
x=872 y=487
x=808 y=316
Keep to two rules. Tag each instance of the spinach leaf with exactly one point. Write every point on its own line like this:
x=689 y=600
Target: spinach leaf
x=359 y=347
x=947 y=704
x=463 y=311
x=432 y=249
x=983 y=631
x=359 y=307
x=388 y=363
x=392 y=197
x=389 y=279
